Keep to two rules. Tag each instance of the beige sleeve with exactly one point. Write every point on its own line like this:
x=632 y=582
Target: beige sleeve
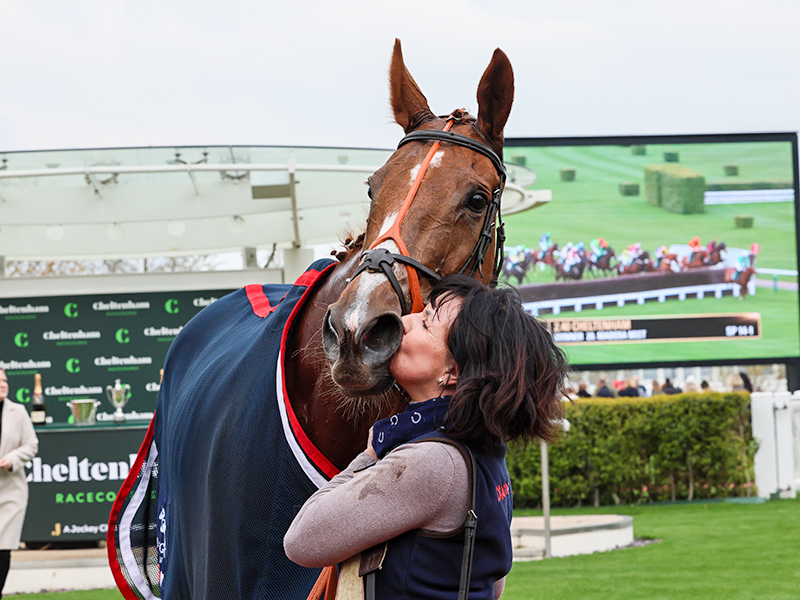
x=29 y=445
x=423 y=485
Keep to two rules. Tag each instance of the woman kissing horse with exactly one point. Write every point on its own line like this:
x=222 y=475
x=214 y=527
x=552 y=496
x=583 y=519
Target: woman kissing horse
x=271 y=390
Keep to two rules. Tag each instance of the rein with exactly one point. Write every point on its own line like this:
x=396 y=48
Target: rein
x=380 y=260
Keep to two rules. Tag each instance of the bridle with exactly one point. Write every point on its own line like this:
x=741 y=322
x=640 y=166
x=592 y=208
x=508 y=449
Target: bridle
x=380 y=260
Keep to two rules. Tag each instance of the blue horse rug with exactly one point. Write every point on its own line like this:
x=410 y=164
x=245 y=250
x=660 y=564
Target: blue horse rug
x=224 y=466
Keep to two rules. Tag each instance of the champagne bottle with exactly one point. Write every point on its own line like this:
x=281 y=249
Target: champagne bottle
x=38 y=410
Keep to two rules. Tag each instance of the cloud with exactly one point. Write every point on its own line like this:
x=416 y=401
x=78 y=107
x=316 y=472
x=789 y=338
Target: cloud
x=118 y=72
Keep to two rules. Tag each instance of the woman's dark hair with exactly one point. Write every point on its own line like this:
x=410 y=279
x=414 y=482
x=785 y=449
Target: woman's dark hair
x=511 y=375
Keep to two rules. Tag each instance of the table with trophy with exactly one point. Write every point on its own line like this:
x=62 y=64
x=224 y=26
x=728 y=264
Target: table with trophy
x=81 y=465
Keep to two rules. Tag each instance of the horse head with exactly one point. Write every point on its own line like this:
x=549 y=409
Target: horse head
x=434 y=205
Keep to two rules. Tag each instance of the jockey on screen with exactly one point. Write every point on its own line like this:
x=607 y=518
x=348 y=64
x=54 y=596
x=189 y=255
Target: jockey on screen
x=545 y=242
x=599 y=248
x=516 y=254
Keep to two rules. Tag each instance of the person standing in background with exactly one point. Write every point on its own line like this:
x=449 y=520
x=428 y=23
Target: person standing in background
x=603 y=391
x=18 y=445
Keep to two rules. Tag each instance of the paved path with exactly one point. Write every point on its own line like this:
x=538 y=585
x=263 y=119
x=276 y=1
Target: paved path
x=35 y=571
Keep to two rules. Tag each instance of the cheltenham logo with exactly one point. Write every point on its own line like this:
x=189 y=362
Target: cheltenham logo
x=81 y=390
x=78 y=470
x=162 y=331
x=28 y=309
x=118 y=361
x=57 y=336
x=127 y=305
x=13 y=365
x=201 y=302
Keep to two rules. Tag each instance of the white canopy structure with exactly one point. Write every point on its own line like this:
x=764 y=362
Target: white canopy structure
x=145 y=202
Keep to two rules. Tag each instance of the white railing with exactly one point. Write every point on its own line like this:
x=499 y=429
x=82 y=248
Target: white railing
x=749 y=196
x=620 y=299
x=795 y=416
x=776 y=427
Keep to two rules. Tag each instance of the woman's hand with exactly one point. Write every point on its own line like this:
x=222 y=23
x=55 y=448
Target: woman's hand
x=370 y=450
x=5 y=462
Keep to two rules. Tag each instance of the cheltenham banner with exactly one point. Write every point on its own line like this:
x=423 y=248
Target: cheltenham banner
x=81 y=345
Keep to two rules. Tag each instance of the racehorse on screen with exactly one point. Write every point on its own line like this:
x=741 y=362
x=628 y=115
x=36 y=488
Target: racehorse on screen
x=271 y=390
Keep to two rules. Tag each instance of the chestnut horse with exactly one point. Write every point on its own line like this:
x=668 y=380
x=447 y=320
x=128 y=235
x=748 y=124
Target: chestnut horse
x=220 y=449
x=603 y=264
x=715 y=257
x=741 y=278
x=445 y=221
x=519 y=269
x=665 y=263
x=641 y=264
x=696 y=260
x=547 y=257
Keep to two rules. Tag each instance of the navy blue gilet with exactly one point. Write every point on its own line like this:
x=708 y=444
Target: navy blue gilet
x=427 y=565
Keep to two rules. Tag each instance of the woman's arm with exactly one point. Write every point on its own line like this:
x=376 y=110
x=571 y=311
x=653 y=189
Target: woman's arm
x=423 y=485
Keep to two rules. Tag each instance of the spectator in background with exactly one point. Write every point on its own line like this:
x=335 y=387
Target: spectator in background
x=690 y=387
x=656 y=388
x=603 y=391
x=704 y=387
x=748 y=385
x=18 y=444
x=669 y=388
x=582 y=391
x=632 y=389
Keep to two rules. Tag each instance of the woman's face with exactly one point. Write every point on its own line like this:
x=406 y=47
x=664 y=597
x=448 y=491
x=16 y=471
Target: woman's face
x=423 y=356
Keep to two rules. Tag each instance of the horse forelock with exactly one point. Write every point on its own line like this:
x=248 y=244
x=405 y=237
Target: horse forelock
x=351 y=244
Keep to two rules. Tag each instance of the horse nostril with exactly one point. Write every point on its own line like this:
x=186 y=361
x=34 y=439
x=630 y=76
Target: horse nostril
x=330 y=338
x=329 y=329
x=383 y=336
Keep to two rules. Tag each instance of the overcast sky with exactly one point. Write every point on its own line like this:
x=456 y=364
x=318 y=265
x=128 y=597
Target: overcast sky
x=138 y=73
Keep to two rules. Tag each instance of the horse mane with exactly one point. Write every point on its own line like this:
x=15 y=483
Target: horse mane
x=352 y=243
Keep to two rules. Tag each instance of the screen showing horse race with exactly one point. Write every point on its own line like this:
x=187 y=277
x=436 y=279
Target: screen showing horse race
x=654 y=250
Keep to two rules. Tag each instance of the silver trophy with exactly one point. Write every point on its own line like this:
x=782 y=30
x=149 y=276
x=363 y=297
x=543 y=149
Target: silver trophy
x=118 y=395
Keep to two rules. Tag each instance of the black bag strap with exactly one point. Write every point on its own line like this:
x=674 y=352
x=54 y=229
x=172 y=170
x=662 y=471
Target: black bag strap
x=470 y=526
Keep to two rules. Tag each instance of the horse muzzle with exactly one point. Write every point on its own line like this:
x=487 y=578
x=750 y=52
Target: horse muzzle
x=360 y=350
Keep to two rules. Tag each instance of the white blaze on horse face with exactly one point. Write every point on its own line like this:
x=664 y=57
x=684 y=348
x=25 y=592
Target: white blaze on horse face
x=367 y=282
x=436 y=161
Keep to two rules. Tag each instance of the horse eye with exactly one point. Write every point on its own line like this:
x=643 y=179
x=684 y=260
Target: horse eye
x=369 y=191
x=477 y=202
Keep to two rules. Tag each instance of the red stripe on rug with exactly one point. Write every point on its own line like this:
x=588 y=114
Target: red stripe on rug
x=258 y=300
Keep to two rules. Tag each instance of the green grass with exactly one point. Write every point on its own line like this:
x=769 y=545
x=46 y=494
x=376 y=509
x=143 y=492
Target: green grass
x=708 y=551
x=78 y=595
x=715 y=551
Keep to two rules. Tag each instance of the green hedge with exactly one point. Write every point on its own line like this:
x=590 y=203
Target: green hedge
x=652 y=184
x=625 y=450
x=629 y=188
x=675 y=188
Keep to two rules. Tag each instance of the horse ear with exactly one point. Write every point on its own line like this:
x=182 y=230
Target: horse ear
x=495 y=96
x=408 y=102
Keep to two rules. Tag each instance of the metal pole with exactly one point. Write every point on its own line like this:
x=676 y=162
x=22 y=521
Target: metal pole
x=546 y=499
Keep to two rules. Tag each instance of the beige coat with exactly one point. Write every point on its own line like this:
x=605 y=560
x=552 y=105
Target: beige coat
x=19 y=443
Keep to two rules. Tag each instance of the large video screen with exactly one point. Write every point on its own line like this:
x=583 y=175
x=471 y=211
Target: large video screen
x=656 y=250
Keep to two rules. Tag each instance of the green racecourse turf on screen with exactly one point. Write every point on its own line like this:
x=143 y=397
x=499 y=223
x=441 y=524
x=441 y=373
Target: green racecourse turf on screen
x=592 y=206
